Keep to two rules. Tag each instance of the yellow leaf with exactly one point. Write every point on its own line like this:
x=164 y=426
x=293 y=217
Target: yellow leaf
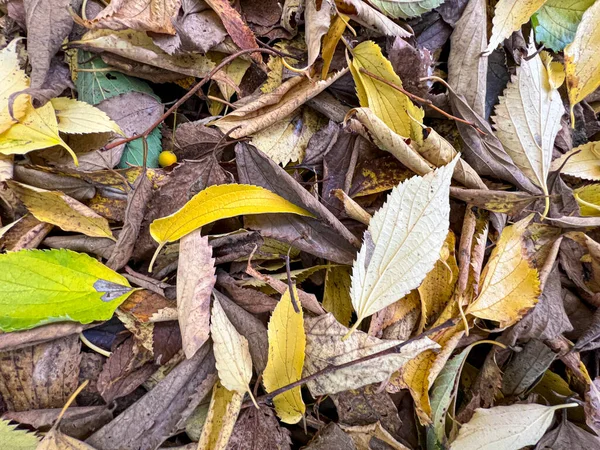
x=511 y=285
x=215 y=203
x=509 y=15
x=232 y=353
x=37 y=130
x=12 y=79
x=287 y=342
x=80 y=118
x=438 y=286
x=61 y=210
x=582 y=64
x=330 y=41
x=588 y=198
x=223 y=411
x=336 y=297
x=581 y=162
x=396 y=110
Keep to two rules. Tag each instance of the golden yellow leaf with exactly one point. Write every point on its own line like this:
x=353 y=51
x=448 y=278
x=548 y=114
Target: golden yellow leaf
x=394 y=108
x=438 y=286
x=12 y=79
x=582 y=64
x=287 y=343
x=77 y=117
x=223 y=411
x=215 y=203
x=330 y=41
x=509 y=15
x=588 y=198
x=37 y=130
x=232 y=353
x=61 y=210
x=336 y=297
x=581 y=162
x=511 y=285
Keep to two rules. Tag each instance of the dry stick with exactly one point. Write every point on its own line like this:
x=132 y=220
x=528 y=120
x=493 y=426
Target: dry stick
x=388 y=351
x=419 y=99
x=189 y=94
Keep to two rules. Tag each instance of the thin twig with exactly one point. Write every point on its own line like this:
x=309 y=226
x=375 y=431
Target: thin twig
x=189 y=94
x=419 y=99
x=267 y=398
x=289 y=281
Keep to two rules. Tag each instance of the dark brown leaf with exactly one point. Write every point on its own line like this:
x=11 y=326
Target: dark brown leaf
x=331 y=437
x=258 y=429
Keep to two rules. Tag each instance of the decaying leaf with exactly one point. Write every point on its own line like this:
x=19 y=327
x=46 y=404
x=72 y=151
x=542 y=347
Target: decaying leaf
x=403 y=242
x=287 y=341
x=224 y=408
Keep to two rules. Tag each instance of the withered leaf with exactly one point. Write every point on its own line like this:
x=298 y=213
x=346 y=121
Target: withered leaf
x=258 y=428
x=146 y=15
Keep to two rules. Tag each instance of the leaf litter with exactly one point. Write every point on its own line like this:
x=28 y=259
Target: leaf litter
x=299 y=224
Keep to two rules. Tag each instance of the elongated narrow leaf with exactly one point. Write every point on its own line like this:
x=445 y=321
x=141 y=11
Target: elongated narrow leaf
x=403 y=242
x=219 y=202
x=61 y=210
x=234 y=363
x=582 y=64
x=511 y=285
x=224 y=409
x=393 y=107
x=287 y=341
x=45 y=286
x=527 y=119
x=509 y=15
x=405 y=9
x=77 y=117
x=506 y=427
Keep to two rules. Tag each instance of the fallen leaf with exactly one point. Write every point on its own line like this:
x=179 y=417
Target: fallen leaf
x=55 y=286
x=209 y=206
x=509 y=15
x=366 y=15
x=196 y=278
x=325 y=348
x=79 y=117
x=394 y=108
x=588 y=199
x=331 y=437
x=402 y=243
x=287 y=341
x=556 y=22
x=55 y=440
x=222 y=414
x=406 y=8
x=13 y=79
x=510 y=285
x=581 y=67
x=512 y=427
x=364 y=434
x=61 y=210
x=581 y=162
x=527 y=120
x=15 y=439
x=567 y=436
x=336 y=297
x=232 y=354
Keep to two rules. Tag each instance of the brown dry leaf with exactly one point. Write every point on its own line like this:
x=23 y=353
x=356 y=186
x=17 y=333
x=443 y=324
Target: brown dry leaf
x=325 y=347
x=58 y=209
x=398 y=320
x=259 y=429
x=26 y=233
x=143 y=15
x=55 y=440
x=511 y=284
x=195 y=280
x=364 y=434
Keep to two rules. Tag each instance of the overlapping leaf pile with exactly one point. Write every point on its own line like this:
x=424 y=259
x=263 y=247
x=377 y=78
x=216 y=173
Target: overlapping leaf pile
x=327 y=224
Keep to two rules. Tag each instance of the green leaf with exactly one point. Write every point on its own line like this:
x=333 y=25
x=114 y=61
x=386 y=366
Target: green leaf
x=45 y=286
x=405 y=8
x=13 y=439
x=98 y=85
x=556 y=22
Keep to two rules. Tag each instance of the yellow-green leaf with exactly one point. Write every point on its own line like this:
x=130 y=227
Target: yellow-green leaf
x=509 y=15
x=77 y=117
x=582 y=64
x=45 y=286
x=336 y=297
x=287 y=343
x=61 y=210
x=219 y=202
x=12 y=79
x=588 y=198
x=13 y=439
x=37 y=130
x=581 y=162
x=511 y=285
x=224 y=409
x=393 y=107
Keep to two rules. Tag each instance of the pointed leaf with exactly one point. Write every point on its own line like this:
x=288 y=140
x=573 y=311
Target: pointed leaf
x=11 y=438
x=581 y=162
x=511 y=284
x=336 y=297
x=77 y=117
x=234 y=363
x=581 y=62
x=556 y=22
x=224 y=409
x=12 y=79
x=287 y=341
x=405 y=9
x=403 y=242
x=506 y=427
x=45 y=286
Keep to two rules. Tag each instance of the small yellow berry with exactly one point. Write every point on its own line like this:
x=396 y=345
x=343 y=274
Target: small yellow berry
x=167 y=158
